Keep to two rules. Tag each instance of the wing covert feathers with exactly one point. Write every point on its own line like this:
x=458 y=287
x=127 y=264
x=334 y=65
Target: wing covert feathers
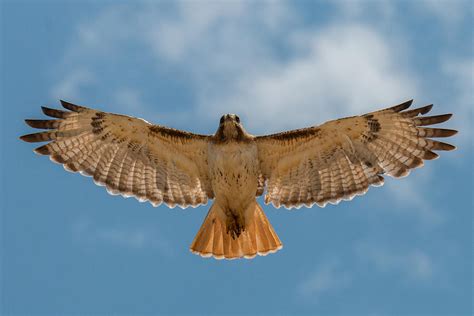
x=126 y=155
x=343 y=158
x=258 y=238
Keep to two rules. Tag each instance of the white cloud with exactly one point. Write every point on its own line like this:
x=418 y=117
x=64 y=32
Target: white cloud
x=211 y=43
x=229 y=55
x=186 y=32
x=332 y=75
x=414 y=264
x=327 y=277
x=233 y=65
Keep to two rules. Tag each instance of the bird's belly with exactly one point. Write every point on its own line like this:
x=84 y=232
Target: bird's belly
x=234 y=174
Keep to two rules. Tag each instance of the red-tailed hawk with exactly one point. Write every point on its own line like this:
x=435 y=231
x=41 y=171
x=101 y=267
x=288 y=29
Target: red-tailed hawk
x=316 y=165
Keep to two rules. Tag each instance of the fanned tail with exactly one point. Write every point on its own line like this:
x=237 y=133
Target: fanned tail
x=258 y=238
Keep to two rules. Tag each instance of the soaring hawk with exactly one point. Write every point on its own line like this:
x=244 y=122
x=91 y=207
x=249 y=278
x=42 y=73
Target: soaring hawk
x=316 y=165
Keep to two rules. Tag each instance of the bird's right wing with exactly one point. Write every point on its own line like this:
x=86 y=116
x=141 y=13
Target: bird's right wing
x=342 y=158
x=128 y=155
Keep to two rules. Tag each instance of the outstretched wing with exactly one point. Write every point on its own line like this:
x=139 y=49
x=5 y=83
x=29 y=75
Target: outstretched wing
x=342 y=158
x=128 y=155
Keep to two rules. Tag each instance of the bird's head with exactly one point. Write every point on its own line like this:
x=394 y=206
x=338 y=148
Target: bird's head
x=230 y=128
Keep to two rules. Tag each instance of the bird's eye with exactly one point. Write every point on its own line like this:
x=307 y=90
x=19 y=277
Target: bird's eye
x=237 y=119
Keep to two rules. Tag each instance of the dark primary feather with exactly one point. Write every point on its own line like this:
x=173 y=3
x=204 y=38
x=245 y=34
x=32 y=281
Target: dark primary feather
x=54 y=113
x=73 y=107
x=400 y=107
x=45 y=124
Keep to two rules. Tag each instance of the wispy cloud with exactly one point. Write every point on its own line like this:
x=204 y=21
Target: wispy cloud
x=411 y=264
x=332 y=74
x=460 y=71
x=448 y=12
x=327 y=277
x=189 y=28
x=130 y=100
x=137 y=238
x=355 y=9
x=73 y=84
x=334 y=275
x=412 y=198
x=209 y=44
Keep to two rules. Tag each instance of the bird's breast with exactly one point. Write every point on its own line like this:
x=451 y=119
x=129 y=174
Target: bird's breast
x=234 y=173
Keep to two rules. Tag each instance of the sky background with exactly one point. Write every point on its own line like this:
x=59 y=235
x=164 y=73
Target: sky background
x=67 y=247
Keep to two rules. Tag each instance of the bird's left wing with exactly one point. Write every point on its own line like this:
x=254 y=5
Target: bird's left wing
x=128 y=155
x=342 y=158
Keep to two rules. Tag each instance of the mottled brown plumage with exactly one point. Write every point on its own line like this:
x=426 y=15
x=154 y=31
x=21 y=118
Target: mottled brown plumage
x=317 y=165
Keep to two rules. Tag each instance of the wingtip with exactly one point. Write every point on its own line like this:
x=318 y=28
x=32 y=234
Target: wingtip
x=402 y=106
x=54 y=112
x=445 y=117
x=44 y=124
x=29 y=122
x=65 y=104
x=42 y=150
x=408 y=103
x=449 y=147
x=427 y=109
x=447 y=132
x=27 y=138
x=72 y=107
x=431 y=120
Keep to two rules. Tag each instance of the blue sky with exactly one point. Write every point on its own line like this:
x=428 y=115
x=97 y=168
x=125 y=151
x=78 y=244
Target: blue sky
x=70 y=248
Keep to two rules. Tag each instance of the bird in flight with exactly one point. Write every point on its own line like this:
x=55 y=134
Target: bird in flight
x=316 y=165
